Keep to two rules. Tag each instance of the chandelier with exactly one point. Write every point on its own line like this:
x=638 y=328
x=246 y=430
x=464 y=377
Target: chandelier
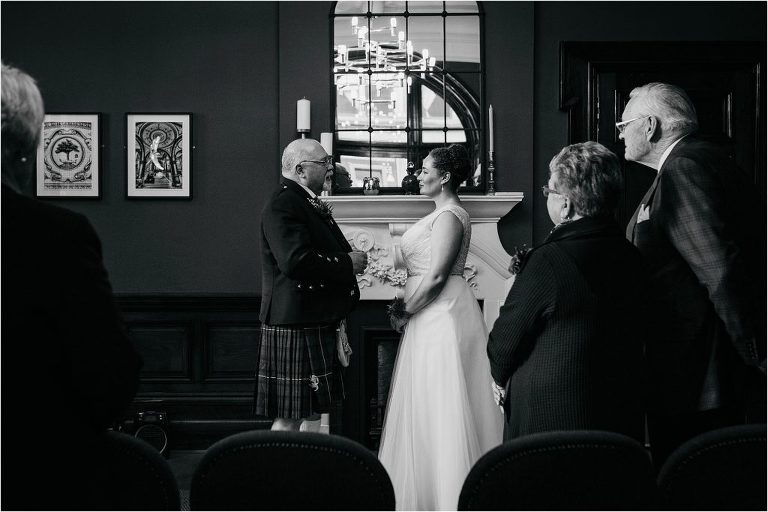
x=389 y=60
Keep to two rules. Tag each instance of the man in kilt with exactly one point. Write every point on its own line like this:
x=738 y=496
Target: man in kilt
x=308 y=287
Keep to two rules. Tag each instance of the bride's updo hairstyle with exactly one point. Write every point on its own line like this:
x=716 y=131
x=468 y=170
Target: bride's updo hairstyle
x=453 y=159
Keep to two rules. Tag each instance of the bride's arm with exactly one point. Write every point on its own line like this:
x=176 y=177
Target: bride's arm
x=447 y=233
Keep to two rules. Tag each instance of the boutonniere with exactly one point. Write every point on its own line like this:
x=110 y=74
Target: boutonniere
x=518 y=260
x=324 y=209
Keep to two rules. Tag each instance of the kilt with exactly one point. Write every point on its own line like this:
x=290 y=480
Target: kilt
x=295 y=376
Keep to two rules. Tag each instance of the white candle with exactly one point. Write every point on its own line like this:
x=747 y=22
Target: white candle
x=326 y=140
x=490 y=128
x=302 y=115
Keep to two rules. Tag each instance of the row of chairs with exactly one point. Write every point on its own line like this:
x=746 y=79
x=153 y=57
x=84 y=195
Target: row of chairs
x=575 y=470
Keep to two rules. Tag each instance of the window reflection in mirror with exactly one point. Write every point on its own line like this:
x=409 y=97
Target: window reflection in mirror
x=408 y=79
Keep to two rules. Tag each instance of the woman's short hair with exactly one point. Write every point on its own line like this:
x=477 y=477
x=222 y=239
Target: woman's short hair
x=670 y=104
x=455 y=160
x=589 y=174
x=22 y=115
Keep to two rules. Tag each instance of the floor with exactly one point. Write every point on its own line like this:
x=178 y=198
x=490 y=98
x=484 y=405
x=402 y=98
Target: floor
x=183 y=464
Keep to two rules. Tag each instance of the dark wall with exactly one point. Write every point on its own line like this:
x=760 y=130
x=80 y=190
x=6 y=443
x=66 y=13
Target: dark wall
x=215 y=60
x=240 y=67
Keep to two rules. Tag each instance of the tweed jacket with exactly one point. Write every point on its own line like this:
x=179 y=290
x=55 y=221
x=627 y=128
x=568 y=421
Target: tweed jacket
x=568 y=343
x=307 y=276
x=696 y=234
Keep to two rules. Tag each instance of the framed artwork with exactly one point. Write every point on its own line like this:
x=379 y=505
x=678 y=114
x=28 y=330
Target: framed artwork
x=68 y=157
x=159 y=159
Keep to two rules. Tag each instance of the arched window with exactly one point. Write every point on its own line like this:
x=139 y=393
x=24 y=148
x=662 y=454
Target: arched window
x=408 y=77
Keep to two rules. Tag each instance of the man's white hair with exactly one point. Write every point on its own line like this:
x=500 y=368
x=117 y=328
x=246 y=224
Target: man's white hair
x=295 y=152
x=22 y=115
x=670 y=104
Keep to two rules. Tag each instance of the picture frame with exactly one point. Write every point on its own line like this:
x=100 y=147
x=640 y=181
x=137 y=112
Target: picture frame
x=69 y=156
x=158 y=155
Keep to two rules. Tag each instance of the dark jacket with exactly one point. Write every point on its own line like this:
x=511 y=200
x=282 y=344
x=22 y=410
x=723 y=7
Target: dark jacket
x=705 y=264
x=568 y=343
x=68 y=368
x=307 y=276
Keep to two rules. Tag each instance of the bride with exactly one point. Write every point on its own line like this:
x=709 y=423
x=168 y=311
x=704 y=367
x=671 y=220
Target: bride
x=441 y=415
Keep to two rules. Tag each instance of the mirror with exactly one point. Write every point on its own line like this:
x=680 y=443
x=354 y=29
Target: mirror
x=408 y=78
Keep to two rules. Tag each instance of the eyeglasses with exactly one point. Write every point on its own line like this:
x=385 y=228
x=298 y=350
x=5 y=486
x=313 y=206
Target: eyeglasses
x=621 y=125
x=326 y=162
x=546 y=191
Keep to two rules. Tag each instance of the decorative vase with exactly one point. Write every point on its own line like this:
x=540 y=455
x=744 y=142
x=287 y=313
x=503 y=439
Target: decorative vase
x=371 y=186
x=410 y=183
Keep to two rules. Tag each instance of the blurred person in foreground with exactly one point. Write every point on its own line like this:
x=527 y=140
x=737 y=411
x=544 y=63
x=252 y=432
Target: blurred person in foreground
x=68 y=368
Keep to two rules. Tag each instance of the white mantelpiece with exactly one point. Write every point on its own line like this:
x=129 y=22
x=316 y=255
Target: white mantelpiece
x=376 y=223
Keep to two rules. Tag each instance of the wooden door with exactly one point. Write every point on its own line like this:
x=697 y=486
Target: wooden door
x=725 y=81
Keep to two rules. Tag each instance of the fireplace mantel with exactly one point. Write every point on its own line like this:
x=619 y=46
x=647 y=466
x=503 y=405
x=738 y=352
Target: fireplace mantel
x=375 y=224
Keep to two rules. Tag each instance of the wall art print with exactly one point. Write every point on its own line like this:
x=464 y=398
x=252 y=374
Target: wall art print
x=158 y=155
x=68 y=156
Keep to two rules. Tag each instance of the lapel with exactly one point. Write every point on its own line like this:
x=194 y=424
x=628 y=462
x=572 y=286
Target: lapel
x=307 y=200
x=680 y=146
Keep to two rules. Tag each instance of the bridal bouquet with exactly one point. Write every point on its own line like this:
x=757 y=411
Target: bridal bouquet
x=398 y=316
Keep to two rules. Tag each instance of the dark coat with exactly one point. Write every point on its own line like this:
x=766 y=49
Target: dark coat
x=568 y=343
x=704 y=262
x=68 y=368
x=307 y=276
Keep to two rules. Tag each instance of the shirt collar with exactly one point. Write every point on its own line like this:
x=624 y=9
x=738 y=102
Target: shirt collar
x=312 y=195
x=667 y=152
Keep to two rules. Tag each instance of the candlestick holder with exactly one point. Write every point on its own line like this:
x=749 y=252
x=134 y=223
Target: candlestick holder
x=491 y=191
x=303 y=133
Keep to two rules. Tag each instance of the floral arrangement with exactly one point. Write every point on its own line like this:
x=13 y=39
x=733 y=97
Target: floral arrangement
x=518 y=259
x=324 y=209
x=385 y=273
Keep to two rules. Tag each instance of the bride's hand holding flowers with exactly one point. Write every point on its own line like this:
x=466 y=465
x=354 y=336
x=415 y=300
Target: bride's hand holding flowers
x=398 y=316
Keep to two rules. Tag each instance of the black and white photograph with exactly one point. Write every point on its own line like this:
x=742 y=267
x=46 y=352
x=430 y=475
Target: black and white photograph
x=158 y=153
x=68 y=158
x=415 y=255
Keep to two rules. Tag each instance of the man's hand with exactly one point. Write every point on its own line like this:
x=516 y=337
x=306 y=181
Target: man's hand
x=359 y=261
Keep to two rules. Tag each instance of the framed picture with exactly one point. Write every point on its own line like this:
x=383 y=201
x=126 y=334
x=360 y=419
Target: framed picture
x=159 y=160
x=68 y=157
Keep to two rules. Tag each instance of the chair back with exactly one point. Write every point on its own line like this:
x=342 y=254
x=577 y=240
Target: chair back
x=266 y=470
x=724 y=469
x=129 y=474
x=565 y=470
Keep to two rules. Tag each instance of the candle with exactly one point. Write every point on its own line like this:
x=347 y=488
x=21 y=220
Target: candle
x=302 y=115
x=326 y=140
x=490 y=128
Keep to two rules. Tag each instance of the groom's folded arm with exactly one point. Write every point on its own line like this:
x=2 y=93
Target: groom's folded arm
x=291 y=244
x=514 y=333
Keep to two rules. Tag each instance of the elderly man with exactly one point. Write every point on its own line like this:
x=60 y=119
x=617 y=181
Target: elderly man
x=308 y=287
x=693 y=228
x=68 y=369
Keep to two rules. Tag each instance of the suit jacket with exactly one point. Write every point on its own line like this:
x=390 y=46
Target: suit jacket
x=68 y=368
x=307 y=276
x=568 y=343
x=699 y=243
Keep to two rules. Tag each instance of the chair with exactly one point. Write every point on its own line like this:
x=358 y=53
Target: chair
x=266 y=470
x=724 y=469
x=566 y=470
x=129 y=474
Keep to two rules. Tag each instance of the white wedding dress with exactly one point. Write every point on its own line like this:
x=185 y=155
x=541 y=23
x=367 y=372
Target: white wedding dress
x=441 y=416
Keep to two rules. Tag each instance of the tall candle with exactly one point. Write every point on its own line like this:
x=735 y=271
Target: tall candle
x=490 y=128
x=326 y=140
x=302 y=115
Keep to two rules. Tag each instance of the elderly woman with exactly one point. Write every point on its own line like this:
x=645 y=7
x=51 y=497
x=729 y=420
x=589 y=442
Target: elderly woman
x=567 y=349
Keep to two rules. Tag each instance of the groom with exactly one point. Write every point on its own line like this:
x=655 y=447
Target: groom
x=308 y=286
